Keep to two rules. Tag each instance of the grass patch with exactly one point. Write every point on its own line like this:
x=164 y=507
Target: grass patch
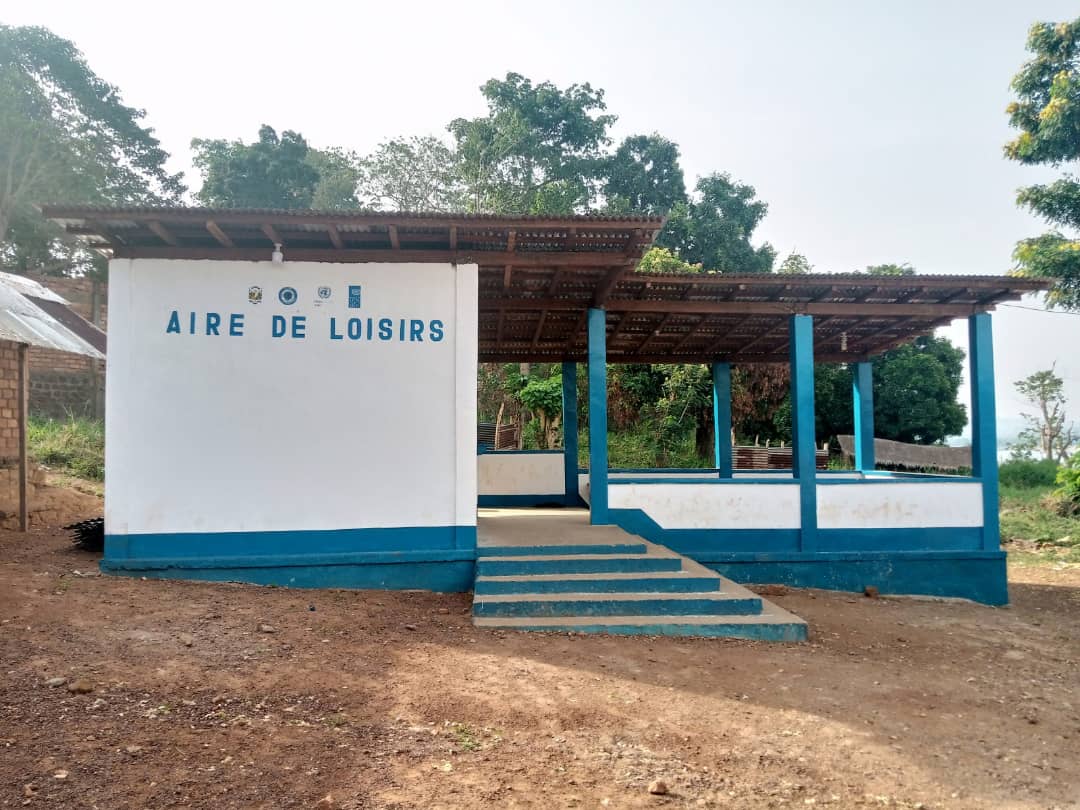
x=1033 y=531
x=71 y=446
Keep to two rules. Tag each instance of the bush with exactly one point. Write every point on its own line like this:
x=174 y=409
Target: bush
x=74 y=446
x=1028 y=473
x=1068 y=492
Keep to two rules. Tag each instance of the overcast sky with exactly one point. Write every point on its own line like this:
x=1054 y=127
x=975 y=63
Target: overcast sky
x=873 y=130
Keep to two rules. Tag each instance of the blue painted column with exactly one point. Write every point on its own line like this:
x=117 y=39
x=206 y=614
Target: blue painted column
x=570 y=431
x=862 y=395
x=984 y=462
x=803 y=436
x=721 y=408
x=598 y=457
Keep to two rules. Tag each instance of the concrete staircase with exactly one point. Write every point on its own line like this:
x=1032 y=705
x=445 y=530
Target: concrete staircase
x=619 y=585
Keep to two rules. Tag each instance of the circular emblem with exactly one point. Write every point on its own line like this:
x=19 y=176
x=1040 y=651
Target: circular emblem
x=255 y=295
x=324 y=293
x=287 y=296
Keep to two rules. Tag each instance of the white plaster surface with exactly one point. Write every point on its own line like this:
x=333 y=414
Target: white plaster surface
x=712 y=506
x=508 y=473
x=902 y=505
x=214 y=433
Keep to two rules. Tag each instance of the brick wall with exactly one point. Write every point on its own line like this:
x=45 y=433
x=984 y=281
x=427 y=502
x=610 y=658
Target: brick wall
x=62 y=383
x=9 y=430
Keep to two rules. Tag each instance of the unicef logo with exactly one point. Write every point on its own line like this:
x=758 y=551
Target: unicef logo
x=287 y=296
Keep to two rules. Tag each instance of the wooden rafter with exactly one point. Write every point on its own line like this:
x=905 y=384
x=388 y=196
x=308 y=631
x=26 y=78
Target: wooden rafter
x=453 y=238
x=335 y=237
x=539 y=328
x=218 y=234
x=511 y=240
x=395 y=242
x=162 y=233
x=271 y=233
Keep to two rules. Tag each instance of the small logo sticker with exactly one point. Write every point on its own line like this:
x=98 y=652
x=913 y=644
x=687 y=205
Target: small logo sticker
x=287 y=296
x=255 y=295
x=354 y=296
x=324 y=293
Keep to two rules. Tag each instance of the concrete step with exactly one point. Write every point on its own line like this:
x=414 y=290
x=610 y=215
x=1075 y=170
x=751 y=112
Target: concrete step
x=581 y=605
x=576 y=564
x=639 y=582
x=772 y=624
x=561 y=549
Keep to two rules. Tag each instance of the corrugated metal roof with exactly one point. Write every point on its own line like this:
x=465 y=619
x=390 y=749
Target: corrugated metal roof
x=24 y=321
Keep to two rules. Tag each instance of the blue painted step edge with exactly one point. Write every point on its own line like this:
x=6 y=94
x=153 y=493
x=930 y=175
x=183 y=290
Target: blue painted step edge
x=576 y=565
x=600 y=585
x=660 y=606
x=777 y=631
x=534 y=551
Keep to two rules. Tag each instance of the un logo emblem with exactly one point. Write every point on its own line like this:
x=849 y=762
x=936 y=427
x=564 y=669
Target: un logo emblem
x=287 y=296
x=255 y=295
x=324 y=293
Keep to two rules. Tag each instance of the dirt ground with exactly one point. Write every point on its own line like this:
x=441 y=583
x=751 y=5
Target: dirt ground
x=393 y=700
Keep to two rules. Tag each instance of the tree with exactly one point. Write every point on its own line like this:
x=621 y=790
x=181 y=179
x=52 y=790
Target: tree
x=412 y=174
x=66 y=133
x=915 y=392
x=715 y=227
x=795 y=264
x=644 y=176
x=904 y=269
x=662 y=260
x=272 y=172
x=339 y=179
x=1047 y=113
x=538 y=150
x=1048 y=432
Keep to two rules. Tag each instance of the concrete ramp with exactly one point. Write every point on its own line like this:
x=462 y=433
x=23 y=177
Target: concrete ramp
x=548 y=569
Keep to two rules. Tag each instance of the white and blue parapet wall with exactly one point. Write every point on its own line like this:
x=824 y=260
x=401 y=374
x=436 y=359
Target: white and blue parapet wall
x=295 y=423
x=902 y=534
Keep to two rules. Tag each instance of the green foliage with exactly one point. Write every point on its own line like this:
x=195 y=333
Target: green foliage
x=412 y=174
x=1027 y=473
x=339 y=177
x=662 y=260
x=644 y=176
x=539 y=149
x=1048 y=432
x=66 y=134
x=904 y=269
x=714 y=228
x=544 y=396
x=1068 y=482
x=1047 y=113
x=272 y=172
x=795 y=264
x=915 y=389
x=1030 y=519
x=73 y=446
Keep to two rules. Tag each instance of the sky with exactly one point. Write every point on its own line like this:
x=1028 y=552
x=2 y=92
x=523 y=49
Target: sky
x=873 y=130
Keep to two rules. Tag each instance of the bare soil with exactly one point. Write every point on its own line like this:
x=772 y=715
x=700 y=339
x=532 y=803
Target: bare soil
x=393 y=700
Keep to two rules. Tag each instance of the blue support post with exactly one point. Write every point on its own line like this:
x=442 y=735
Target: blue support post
x=570 y=431
x=863 y=400
x=721 y=401
x=804 y=438
x=598 y=456
x=984 y=463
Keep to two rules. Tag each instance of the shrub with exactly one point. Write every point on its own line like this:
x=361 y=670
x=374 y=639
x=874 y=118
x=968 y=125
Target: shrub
x=1068 y=492
x=74 y=446
x=1027 y=473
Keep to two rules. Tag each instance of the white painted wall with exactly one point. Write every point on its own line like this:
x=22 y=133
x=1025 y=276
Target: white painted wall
x=712 y=506
x=257 y=433
x=899 y=506
x=509 y=473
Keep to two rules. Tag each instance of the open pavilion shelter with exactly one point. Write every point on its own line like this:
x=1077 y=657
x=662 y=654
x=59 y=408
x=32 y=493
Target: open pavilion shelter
x=292 y=400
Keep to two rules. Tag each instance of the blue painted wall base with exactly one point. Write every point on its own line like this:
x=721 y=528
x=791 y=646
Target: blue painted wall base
x=929 y=562
x=434 y=558
x=509 y=501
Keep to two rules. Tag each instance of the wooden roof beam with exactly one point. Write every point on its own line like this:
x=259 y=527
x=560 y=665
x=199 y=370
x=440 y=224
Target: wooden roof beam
x=395 y=242
x=335 y=236
x=270 y=232
x=162 y=233
x=220 y=235
x=511 y=240
x=539 y=328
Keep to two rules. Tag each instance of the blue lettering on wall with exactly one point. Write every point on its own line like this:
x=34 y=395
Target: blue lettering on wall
x=213 y=321
x=236 y=325
x=386 y=329
x=174 y=323
x=278 y=325
x=299 y=324
x=436 y=329
x=416 y=331
x=334 y=334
